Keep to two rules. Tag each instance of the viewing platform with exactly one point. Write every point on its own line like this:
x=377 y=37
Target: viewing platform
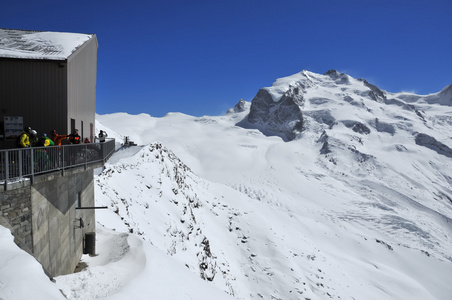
x=20 y=163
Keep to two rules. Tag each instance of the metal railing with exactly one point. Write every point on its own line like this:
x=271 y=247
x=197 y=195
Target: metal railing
x=28 y=162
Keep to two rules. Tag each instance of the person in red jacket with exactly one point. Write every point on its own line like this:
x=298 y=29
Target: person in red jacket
x=56 y=138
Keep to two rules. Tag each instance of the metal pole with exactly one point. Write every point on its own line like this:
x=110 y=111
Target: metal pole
x=32 y=166
x=6 y=166
x=92 y=207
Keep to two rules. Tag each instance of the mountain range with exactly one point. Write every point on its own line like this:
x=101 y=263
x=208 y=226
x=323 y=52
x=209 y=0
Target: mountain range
x=321 y=187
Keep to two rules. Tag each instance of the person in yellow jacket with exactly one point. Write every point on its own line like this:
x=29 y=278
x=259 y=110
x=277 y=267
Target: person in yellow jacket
x=24 y=138
x=23 y=141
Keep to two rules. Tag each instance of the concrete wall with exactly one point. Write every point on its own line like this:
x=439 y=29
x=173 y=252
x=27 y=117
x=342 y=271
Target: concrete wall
x=44 y=220
x=57 y=234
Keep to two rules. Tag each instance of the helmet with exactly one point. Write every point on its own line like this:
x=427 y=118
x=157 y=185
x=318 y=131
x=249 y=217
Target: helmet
x=34 y=133
x=27 y=129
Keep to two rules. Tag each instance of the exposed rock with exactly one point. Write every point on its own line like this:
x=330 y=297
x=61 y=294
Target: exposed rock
x=359 y=156
x=360 y=128
x=325 y=147
x=384 y=127
x=375 y=93
x=339 y=78
x=238 y=108
x=357 y=127
x=322 y=116
x=284 y=116
x=334 y=74
x=430 y=142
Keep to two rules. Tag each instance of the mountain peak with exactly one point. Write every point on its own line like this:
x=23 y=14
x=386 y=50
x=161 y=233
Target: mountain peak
x=308 y=102
x=241 y=106
x=281 y=109
x=446 y=93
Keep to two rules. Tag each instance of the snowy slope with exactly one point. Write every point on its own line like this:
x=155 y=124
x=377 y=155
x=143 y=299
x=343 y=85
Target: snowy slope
x=358 y=205
x=364 y=188
x=252 y=242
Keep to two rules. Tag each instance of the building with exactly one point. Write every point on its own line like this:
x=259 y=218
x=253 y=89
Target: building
x=47 y=81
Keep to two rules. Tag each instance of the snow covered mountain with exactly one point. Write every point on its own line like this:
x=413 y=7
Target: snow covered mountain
x=323 y=187
x=306 y=101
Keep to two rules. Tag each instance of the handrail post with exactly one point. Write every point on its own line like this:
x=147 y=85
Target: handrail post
x=62 y=161
x=21 y=163
x=6 y=166
x=32 y=167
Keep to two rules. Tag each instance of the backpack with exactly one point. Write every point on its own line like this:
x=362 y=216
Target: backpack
x=42 y=141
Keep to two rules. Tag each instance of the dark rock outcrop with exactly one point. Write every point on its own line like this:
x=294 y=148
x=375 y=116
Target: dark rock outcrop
x=238 y=108
x=339 y=78
x=430 y=142
x=357 y=127
x=375 y=93
x=284 y=116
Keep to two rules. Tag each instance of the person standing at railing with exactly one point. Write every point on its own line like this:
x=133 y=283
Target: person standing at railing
x=37 y=154
x=56 y=138
x=23 y=141
x=42 y=157
x=74 y=138
x=102 y=136
x=45 y=141
x=34 y=140
x=24 y=138
x=74 y=152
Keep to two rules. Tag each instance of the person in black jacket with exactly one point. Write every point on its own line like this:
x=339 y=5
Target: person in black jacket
x=74 y=138
x=74 y=152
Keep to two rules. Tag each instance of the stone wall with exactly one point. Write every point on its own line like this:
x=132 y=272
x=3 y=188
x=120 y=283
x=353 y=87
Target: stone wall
x=15 y=213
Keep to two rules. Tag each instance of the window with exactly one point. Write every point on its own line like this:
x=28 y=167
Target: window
x=72 y=125
x=78 y=200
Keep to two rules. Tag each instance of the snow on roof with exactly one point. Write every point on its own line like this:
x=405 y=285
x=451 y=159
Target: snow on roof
x=40 y=44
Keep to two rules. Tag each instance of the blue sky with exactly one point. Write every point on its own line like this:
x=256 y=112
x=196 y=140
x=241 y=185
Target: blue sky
x=201 y=57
